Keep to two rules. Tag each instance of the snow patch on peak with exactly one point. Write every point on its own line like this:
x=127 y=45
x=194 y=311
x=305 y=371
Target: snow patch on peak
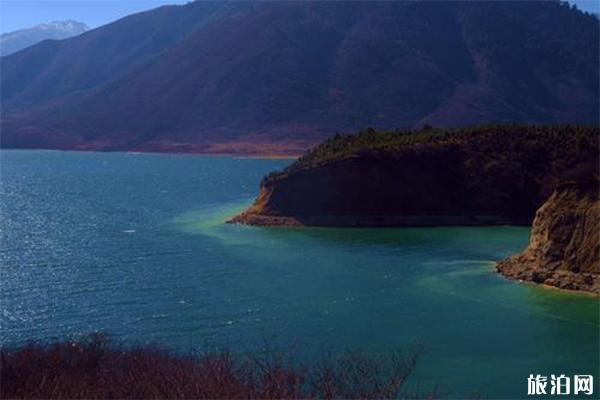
x=65 y=26
x=12 y=42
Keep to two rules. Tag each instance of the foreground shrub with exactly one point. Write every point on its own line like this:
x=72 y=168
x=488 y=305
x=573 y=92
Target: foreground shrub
x=94 y=368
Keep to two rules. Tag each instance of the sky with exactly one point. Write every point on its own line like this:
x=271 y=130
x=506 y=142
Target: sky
x=587 y=5
x=19 y=14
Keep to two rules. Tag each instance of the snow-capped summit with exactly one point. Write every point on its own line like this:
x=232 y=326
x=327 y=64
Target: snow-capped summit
x=12 y=42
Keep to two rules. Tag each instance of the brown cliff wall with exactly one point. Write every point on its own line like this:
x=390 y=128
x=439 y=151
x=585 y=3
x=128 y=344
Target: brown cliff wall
x=564 y=249
x=500 y=177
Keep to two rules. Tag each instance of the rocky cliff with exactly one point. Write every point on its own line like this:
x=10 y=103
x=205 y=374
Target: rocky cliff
x=474 y=176
x=564 y=249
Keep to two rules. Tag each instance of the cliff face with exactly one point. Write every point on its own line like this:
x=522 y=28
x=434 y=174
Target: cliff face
x=484 y=178
x=564 y=250
x=418 y=188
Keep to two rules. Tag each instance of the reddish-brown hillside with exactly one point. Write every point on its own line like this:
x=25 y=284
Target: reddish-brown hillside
x=280 y=76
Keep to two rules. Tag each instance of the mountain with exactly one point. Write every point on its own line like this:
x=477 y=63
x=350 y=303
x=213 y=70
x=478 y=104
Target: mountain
x=281 y=76
x=12 y=42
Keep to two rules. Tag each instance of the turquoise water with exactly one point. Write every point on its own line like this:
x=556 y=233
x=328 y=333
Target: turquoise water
x=135 y=245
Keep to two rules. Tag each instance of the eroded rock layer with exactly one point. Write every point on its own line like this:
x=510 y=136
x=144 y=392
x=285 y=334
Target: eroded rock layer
x=564 y=249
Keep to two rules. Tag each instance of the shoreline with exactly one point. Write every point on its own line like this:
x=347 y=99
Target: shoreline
x=241 y=156
x=544 y=286
x=373 y=221
x=519 y=269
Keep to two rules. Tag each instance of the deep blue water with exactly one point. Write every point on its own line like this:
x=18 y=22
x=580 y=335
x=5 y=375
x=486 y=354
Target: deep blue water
x=135 y=245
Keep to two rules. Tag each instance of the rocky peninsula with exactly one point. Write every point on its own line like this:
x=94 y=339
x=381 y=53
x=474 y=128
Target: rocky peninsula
x=485 y=175
x=564 y=249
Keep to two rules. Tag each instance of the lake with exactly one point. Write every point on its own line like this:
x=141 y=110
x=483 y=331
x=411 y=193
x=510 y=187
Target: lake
x=135 y=245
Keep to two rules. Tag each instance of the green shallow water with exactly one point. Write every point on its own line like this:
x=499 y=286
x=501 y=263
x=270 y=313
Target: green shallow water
x=136 y=246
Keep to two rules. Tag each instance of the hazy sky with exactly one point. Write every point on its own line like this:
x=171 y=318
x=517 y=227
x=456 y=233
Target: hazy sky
x=18 y=14
x=587 y=5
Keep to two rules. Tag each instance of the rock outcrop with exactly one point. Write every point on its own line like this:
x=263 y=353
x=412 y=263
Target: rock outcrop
x=564 y=249
x=480 y=176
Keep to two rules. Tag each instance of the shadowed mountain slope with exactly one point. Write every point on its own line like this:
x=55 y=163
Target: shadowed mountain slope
x=280 y=76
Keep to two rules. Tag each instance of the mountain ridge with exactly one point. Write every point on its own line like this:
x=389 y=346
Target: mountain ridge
x=242 y=77
x=11 y=42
